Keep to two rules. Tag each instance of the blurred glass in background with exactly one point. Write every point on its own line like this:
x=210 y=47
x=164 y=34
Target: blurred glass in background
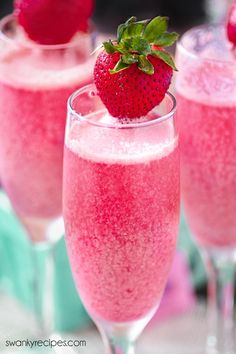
x=217 y=9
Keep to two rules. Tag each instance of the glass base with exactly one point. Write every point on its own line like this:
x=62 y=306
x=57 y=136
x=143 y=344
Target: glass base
x=119 y=338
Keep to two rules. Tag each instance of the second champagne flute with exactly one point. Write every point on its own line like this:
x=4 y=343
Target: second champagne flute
x=35 y=83
x=206 y=92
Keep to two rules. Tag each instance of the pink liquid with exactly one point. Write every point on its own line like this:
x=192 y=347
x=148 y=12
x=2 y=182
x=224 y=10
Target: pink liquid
x=208 y=170
x=121 y=210
x=34 y=88
x=207 y=117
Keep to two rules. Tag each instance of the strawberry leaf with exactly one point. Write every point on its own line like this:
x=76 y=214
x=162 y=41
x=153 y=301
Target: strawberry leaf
x=134 y=29
x=121 y=28
x=110 y=48
x=166 y=39
x=131 y=20
x=166 y=57
x=119 y=67
x=137 y=44
x=121 y=49
x=141 y=45
x=129 y=58
x=155 y=28
x=120 y=31
x=145 y=65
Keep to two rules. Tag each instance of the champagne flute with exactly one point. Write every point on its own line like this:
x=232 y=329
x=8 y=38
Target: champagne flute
x=121 y=212
x=206 y=91
x=35 y=83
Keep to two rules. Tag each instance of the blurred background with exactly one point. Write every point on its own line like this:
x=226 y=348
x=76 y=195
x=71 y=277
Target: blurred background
x=185 y=13
x=187 y=285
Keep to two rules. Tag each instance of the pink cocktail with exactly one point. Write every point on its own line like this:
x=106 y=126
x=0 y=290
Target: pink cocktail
x=35 y=83
x=206 y=93
x=121 y=207
x=209 y=171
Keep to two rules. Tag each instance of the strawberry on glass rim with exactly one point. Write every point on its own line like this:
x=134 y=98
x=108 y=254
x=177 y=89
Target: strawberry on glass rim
x=133 y=72
x=231 y=24
x=53 y=21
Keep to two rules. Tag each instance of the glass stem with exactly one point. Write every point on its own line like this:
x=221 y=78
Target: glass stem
x=120 y=338
x=221 y=280
x=117 y=344
x=42 y=285
x=119 y=347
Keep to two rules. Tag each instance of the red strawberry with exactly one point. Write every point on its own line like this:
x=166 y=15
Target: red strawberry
x=53 y=21
x=130 y=93
x=231 y=24
x=133 y=74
